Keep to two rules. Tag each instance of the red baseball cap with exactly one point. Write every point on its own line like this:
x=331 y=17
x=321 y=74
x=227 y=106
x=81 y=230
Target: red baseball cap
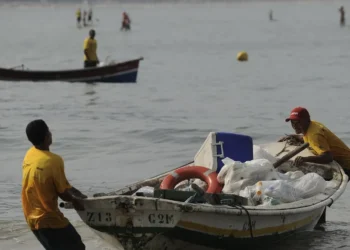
x=298 y=113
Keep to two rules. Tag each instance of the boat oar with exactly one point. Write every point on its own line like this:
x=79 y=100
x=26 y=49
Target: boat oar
x=290 y=155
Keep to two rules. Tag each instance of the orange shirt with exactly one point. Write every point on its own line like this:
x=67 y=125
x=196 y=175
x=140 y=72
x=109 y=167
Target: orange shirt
x=321 y=140
x=43 y=179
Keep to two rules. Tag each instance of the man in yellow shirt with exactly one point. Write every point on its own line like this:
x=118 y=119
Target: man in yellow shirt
x=323 y=143
x=90 y=48
x=43 y=181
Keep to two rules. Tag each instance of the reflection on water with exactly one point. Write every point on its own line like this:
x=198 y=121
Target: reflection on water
x=90 y=91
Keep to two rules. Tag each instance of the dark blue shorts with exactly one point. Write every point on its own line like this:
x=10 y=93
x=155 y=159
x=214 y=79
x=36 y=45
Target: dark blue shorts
x=59 y=238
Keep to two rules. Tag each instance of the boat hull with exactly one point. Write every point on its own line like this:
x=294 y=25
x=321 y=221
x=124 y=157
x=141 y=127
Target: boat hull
x=137 y=221
x=125 y=72
x=124 y=77
x=134 y=221
x=265 y=229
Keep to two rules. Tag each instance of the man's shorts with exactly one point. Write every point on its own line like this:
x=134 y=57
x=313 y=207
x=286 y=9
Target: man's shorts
x=89 y=64
x=59 y=238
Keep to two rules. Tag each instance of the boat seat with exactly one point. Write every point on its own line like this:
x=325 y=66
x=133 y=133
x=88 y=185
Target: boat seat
x=219 y=145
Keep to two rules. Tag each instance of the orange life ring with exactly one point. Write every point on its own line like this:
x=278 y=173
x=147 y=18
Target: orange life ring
x=190 y=172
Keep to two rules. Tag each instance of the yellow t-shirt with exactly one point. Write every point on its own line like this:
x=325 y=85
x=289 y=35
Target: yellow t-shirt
x=78 y=13
x=43 y=179
x=321 y=140
x=91 y=46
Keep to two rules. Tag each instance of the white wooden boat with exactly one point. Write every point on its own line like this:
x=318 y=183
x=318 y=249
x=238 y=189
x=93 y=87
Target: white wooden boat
x=132 y=221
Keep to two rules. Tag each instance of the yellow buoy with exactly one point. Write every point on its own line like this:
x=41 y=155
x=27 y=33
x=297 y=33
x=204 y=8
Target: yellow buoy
x=242 y=56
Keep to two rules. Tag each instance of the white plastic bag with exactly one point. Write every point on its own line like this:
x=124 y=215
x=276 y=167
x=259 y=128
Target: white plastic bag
x=282 y=191
x=228 y=176
x=304 y=187
x=250 y=190
x=260 y=170
x=247 y=192
x=236 y=175
x=234 y=187
x=229 y=166
x=291 y=175
x=310 y=185
x=260 y=153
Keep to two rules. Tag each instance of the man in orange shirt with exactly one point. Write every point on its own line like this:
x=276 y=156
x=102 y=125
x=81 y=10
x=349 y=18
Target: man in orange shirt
x=323 y=143
x=43 y=182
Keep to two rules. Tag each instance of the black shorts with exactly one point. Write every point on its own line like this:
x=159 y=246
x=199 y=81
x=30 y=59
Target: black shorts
x=78 y=19
x=59 y=238
x=89 y=64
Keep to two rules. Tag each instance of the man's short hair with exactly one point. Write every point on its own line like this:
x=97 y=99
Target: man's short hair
x=36 y=131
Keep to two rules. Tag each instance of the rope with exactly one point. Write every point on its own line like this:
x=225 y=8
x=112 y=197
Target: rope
x=290 y=141
x=285 y=145
x=249 y=219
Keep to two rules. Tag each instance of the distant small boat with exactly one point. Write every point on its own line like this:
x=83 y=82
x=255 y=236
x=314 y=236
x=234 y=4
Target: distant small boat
x=124 y=72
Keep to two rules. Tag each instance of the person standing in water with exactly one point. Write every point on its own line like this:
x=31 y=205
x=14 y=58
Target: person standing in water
x=90 y=16
x=90 y=48
x=342 y=16
x=126 y=22
x=84 y=18
x=78 y=15
x=271 y=15
x=43 y=181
